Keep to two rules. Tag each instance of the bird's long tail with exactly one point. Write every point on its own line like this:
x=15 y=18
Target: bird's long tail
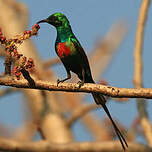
x=100 y=100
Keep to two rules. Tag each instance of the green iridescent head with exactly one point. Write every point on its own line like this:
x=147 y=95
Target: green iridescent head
x=57 y=20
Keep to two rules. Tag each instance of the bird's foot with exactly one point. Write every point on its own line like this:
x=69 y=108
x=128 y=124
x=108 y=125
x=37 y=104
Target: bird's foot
x=59 y=81
x=80 y=83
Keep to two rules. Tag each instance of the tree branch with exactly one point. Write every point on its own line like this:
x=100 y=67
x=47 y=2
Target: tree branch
x=74 y=87
x=45 y=146
x=138 y=70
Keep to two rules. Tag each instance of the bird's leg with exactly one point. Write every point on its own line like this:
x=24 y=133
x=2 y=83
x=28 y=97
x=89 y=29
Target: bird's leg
x=81 y=83
x=68 y=77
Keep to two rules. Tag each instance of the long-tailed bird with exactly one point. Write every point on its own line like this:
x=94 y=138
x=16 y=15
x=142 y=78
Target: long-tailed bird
x=74 y=59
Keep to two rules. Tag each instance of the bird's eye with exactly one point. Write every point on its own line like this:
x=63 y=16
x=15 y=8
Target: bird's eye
x=58 y=22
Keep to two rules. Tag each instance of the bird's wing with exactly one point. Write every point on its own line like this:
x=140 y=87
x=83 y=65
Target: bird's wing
x=80 y=50
x=84 y=60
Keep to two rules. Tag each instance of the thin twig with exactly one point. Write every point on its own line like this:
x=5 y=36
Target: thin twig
x=107 y=48
x=51 y=62
x=8 y=63
x=2 y=52
x=79 y=112
x=138 y=70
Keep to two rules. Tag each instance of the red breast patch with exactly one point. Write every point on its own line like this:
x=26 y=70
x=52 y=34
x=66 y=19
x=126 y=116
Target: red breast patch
x=63 y=50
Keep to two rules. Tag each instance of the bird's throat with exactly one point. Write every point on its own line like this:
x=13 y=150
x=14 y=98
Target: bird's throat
x=63 y=33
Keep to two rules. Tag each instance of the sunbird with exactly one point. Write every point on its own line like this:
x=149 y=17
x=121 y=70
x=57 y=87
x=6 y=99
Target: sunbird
x=74 y=59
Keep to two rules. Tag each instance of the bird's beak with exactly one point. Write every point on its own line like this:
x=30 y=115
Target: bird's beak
x=43 y=21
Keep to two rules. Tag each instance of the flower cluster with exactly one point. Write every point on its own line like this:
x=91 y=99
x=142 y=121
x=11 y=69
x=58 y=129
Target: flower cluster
x=19 y=60
x=34 y=31
x=27 y=34
x=25 y=64
x=16 y=71
x=29 y=64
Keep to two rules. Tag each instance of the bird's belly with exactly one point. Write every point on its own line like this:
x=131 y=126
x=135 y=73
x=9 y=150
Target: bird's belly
x=72 y=63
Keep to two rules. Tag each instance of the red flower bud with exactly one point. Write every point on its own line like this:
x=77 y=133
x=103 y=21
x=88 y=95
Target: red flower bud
x=29 y=32
x=25 y=32
x=14 y=51
x=36 y=26
x=18 y=74
x=30 y=60
x=3 y=38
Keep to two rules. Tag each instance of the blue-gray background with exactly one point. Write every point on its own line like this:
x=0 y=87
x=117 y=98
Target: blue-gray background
x=90 y=20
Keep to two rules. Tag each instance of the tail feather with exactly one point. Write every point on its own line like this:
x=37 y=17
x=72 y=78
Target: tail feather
x=100 y=100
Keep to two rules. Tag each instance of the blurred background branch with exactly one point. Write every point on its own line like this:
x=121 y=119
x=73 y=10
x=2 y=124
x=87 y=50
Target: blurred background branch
x=138 y=70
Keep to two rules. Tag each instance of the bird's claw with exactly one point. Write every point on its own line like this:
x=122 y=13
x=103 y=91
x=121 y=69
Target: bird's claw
x=59 y=81
x=80 y=83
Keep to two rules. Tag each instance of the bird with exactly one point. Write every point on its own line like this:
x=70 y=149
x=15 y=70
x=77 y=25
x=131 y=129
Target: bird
x=75 y=60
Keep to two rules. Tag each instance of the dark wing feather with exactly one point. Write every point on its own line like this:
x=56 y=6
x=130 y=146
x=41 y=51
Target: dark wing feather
x=84 y=60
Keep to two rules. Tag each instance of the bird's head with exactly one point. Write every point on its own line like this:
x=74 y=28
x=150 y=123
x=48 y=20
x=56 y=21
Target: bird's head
x=56 y=19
